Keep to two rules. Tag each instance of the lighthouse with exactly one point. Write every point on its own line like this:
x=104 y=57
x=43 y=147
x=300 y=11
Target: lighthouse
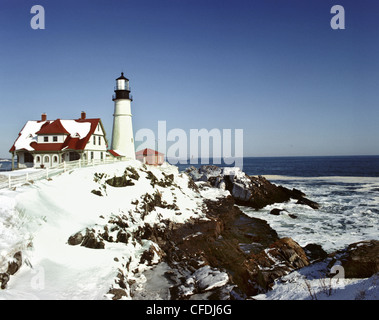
x=122 y=135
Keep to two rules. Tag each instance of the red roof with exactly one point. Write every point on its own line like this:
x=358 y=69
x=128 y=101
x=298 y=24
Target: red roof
x=70 y=143
x=114 y=153
x=147 y=151
x=54 y=127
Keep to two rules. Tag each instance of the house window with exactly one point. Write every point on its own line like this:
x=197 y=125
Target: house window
x=46 y=160
x=94 y=140
x=55 y=139
x=38 y=159
x=101 y=156
x=99 y=141
x=55 y=159
x=91 y=155
x=45 y=139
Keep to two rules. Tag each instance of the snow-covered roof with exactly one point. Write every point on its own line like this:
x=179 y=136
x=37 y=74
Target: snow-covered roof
x=78 y=133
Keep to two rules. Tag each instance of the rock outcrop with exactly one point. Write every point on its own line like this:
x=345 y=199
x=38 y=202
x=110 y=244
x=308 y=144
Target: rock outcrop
x=13 y=266
x=255 y=192
x=359 y=260
x=247 y=249
x=282 y=257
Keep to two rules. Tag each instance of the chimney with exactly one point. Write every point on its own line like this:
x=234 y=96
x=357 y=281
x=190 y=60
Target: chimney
x=83 y=115
x=43 y=117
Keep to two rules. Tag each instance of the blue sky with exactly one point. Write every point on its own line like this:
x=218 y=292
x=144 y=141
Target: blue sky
x=275 y=69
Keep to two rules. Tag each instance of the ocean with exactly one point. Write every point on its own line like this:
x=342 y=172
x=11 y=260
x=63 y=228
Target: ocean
x=346 y=187
x=349 y=166
x=5 y=165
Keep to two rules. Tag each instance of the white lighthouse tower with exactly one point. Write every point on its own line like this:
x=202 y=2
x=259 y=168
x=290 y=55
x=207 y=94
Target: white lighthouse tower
x=122 y=135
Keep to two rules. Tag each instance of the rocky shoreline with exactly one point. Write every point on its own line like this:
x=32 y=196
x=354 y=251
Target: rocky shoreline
x=245 y=252
x=218 y=254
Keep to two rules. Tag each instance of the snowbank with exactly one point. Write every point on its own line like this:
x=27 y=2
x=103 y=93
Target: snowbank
x=39 y=219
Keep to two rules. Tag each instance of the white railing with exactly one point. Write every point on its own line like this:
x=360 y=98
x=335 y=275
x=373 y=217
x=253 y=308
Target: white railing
x=12 y=181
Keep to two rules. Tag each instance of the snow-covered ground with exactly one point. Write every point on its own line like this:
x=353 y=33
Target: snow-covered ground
x=38 y=220
x=309 y=283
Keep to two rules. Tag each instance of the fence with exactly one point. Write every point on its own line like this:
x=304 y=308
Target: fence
x=14 y=180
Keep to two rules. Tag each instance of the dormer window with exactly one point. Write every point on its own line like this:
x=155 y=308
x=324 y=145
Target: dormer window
x=45 y=139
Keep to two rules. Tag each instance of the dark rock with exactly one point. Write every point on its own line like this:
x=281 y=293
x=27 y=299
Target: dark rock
x=122 y=236
x=117 y=293
x=132 y=173
x=315 y=252
x=120 y=182
x=276 y=212
x=153 y=179
x=297 y=194
x=293 y=216
x=255 y=192
x=359 y=260
x=216 y=242
x=167 y=181
x=282 y=257
x=4 y=278
x=97 y=192
x=90 y=240
x=75 y=239
x=310 y=203
x=148 y=255
x=15 y=265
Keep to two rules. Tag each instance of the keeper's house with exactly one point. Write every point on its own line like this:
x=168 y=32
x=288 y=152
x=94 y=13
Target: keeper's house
x=47 y=143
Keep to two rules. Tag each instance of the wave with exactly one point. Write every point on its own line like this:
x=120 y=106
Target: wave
x=344 y=179
x=349 y=210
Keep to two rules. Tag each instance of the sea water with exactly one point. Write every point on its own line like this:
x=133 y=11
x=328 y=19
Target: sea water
x=346 y=188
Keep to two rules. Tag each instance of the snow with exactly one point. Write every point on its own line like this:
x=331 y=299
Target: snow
x=74 y=128
x=38 y=220
x=20 y=172
x=309 y=283
x=207 y=278
x=28 y=135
